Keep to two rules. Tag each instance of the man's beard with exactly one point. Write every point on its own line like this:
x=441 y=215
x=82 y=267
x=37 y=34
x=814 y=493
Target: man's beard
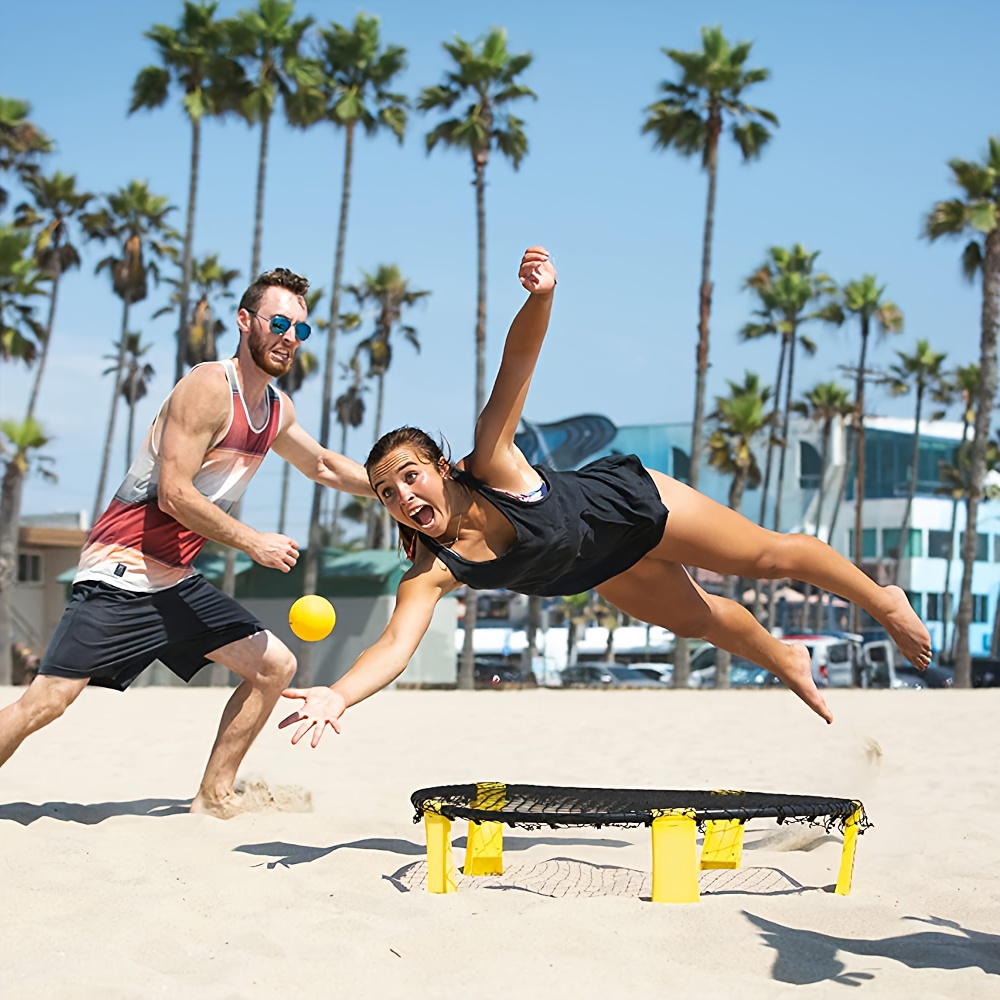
x=259 y=351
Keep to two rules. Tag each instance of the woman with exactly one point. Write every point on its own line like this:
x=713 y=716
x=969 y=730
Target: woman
x=493 y=520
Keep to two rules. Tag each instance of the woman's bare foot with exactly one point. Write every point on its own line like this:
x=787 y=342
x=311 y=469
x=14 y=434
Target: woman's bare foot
x=797 y=677
x=906 y=629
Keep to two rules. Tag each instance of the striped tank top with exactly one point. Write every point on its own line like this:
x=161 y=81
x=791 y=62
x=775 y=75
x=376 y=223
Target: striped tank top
x=134 y=545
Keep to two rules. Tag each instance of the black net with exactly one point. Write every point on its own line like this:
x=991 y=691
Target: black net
x=534 y=806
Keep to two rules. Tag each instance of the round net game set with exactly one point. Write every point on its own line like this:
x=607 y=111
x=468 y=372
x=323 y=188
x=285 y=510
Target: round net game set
x=674 y=817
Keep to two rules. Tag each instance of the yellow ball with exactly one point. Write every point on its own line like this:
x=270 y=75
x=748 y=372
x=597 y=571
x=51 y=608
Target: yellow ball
x=312 y=617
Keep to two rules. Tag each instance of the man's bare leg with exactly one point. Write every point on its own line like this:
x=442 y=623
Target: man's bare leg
x=267 y=667
x=43 y=701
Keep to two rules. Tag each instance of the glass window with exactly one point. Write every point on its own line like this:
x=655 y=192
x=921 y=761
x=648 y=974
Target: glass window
x=810 y=467
x=937 y=545
x=916 y=602
x=915 y=543
x=682 y=465
x=935 y=607
x=980 y=607
x=996 y=548
x=29 y=567
x=869 y=543
x=982 y=547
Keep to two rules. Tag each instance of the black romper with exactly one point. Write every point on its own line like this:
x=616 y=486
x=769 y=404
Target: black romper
x=593 y=524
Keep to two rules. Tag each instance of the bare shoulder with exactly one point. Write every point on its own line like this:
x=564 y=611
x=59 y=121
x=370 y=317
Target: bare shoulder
x=202 y=396
x=503 y=469
x=428 y=573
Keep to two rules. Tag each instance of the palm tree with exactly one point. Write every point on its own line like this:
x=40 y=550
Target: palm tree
x=357 y=74
x=21 y=141
x=136 y=220
x=350 y=409
x=266 y=42
x=305 y=366
x=211 y=281
x=865 y=299
x=922 y=370
x=739 y=418
x=390 y=293
x=20 y=283
x=193 y=57
x=57 y=204
x=18 y=455
x=825 y=403
x=485 y=75
x=135 y=378
x=973 y=217
x=689 y=118
x=965 y=382
x=787 y=285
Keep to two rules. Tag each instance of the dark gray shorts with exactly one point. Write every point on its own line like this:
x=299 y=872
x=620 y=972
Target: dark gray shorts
x=110 y=636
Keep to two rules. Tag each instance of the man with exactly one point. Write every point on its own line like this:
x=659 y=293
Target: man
x=136 y=596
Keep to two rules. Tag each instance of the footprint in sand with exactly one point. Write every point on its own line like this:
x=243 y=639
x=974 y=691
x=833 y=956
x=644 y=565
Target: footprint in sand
x=256 y=795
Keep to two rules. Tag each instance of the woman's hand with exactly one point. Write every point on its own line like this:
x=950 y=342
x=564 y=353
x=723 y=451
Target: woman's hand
x=323 y=706
x=537 y=273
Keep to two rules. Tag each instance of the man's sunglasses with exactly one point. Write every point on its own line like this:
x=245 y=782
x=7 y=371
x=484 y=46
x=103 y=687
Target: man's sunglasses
x=280 y=325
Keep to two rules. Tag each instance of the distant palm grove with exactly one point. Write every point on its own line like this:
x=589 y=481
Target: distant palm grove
x=265 y=62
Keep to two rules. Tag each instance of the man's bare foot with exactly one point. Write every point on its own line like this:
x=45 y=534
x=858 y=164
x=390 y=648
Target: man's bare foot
x=221 y=808
x=906 y=629
x=798 y=678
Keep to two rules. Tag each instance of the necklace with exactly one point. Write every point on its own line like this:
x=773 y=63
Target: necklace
x=461 y=517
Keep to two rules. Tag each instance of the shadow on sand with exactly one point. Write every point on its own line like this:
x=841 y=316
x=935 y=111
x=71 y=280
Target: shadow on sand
x=810 y=957
x=90 y=813
x=287 y=855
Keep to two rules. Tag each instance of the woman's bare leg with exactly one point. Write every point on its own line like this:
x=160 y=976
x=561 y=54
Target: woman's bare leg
x=701 y=532
x=662 y=593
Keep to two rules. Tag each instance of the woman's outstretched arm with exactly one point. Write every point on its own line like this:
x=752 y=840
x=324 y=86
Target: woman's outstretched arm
x=494 y=457
x=383 y=661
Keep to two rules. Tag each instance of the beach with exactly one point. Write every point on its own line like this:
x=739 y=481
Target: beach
x=109 y=888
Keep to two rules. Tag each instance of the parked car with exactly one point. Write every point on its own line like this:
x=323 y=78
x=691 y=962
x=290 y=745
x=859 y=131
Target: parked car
x=606 y=675
x=490 y=673
x=934 y=676
x=662 y=672
x=742 y=673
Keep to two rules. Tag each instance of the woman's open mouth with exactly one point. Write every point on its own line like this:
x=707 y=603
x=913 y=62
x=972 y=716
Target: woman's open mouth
x=423 y=515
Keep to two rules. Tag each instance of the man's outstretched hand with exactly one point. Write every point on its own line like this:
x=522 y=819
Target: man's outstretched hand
x=537 y=273
x=323 y=707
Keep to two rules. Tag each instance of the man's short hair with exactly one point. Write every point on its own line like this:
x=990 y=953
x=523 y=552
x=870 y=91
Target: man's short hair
x=279 y=277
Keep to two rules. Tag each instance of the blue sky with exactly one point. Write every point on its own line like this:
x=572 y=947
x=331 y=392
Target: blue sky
x=873 y=97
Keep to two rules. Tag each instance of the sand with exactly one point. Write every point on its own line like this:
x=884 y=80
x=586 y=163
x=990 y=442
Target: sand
x=109 y=888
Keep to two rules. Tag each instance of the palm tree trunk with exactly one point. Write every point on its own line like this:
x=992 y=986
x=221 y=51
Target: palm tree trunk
x=911 y=490
x=768 y=464
x=44 y=353
x=820 y=492
x=859 y=478
x=283 y=503
x=229 y=567
x=337 y=495
x=724 y=659
x=375 y=511
x=466 y=669
x=946 y=595
x=258 y=221
x=130 y=435
x=780 y=489
x=310 y=576
x=984 y=411
x=182 y=319
x=116 y=389
x=704 y=302
x=10 y=513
